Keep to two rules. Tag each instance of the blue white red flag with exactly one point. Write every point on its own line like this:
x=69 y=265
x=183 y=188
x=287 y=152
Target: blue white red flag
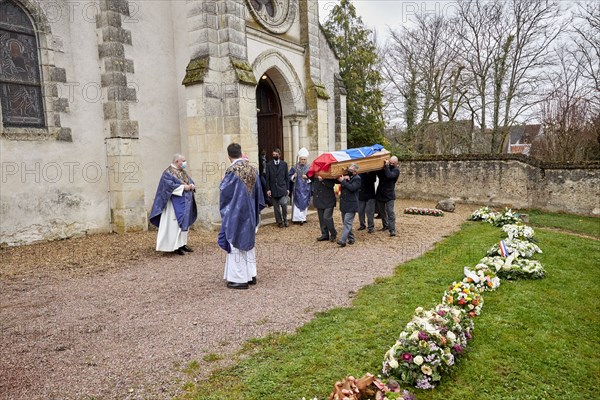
x=324 y=161
x=503 y=249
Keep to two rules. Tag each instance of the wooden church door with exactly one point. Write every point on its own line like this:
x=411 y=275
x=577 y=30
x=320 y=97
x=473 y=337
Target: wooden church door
x=270 y=122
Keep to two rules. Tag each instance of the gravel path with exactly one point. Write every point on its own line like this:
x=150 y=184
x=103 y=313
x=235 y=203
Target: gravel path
x=106 y=317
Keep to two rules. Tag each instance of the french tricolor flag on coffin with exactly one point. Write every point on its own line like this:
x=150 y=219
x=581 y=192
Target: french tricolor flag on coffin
x=503 y=249
x=324 y=161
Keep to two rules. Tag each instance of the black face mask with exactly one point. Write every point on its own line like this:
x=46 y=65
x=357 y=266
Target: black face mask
x=275 y=158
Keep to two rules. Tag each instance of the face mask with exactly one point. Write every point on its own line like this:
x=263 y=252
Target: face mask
x=184 y=165
x=275 y=158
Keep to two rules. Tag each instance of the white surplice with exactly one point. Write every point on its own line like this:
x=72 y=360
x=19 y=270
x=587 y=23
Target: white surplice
x=298 y=215
x=240 y=266
x=170 y=236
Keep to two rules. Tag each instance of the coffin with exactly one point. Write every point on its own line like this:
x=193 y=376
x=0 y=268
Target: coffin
x=373 y=162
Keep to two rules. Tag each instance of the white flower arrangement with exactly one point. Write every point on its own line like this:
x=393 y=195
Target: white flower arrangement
x=519 y=231
x=483 y=214
x=484 y=279
x=513 y=267
x=521 y=248
x=495 y=218
x=523 y=268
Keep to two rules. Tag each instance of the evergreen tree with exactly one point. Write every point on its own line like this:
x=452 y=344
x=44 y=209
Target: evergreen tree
x=359 y=63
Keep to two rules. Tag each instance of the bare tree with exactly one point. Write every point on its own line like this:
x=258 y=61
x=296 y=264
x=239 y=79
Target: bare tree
x=536 y=24
x=587 y=41
x=478 y=48
x=423 y=74
x=568 y=114
x=506 y=46
x=402 y=76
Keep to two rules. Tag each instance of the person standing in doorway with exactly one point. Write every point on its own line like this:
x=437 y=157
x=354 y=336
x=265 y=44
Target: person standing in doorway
x=277 y=187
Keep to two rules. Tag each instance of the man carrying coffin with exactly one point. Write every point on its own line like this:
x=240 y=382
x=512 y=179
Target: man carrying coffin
x=240 y=203
x=174 y=209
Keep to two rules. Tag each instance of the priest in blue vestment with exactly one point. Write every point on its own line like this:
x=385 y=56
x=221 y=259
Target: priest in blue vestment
x=240 y=203
x=300 y=187
x=174 y=209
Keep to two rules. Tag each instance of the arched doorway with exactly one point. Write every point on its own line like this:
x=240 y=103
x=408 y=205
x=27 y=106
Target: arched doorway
x=270 y=121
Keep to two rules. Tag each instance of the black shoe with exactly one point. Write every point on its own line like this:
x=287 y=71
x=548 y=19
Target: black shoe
x=332 y=238
x=253 y=281
x=385 y=228
x=187 y=248
x=322 y=238
x=233 y=285
x=393 y=233
x=371 y=230
x=285 y=224
x=180 y=252
x=362 y=228
x=279 y=224
x=341 y=244
x=350 y=241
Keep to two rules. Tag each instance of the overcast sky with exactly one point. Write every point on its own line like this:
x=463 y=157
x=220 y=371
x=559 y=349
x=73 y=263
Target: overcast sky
x=379 y=14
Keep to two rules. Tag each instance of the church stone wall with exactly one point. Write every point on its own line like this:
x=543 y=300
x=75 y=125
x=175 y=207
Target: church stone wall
x=511 y=181
x=157 y=84
x=56 y=189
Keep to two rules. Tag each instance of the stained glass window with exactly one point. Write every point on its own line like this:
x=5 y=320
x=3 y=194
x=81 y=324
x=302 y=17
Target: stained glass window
x=20 y=83
x=267 y=4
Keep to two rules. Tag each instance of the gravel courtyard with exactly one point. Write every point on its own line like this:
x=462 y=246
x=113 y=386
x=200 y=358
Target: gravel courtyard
x=106 y=317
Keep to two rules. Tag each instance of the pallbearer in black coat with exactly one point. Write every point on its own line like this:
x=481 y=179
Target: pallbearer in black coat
x=366 y=201
x=324 y=201
x=386 y=194
x=349 y=202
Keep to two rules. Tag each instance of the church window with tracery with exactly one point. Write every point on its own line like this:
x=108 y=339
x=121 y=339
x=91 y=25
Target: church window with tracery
x=269 y=6
x=20 y=82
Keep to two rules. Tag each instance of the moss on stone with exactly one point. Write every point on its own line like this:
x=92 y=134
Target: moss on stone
x=243 y=71
x=321 y=91
x=196 y=71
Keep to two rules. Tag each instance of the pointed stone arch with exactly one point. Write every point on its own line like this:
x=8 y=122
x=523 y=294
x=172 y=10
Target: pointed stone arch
x=291 y=93
x=286 y=81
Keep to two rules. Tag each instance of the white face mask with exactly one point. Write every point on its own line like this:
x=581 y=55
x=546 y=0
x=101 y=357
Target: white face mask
x=184 y=165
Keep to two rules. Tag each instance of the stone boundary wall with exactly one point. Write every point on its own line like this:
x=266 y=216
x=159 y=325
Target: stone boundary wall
x=503 y=181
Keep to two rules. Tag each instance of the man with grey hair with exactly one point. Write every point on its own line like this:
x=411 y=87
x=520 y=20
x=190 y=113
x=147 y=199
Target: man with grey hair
x=174 y=208
x=350 y=183
x=386 y=194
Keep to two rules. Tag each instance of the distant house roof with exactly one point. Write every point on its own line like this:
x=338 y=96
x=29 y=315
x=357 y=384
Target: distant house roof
x=522 y=134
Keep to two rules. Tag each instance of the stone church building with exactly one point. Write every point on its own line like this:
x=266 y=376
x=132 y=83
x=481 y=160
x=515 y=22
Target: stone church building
x=97 y=96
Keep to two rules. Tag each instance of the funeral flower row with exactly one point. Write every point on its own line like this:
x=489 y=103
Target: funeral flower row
x=435 y=339
x=430 y=345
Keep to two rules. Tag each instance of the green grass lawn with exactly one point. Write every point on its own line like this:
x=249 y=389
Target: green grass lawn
x=534 y=339
x=574 y=223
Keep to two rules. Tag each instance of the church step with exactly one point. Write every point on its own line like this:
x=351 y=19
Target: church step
x=267 y=216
